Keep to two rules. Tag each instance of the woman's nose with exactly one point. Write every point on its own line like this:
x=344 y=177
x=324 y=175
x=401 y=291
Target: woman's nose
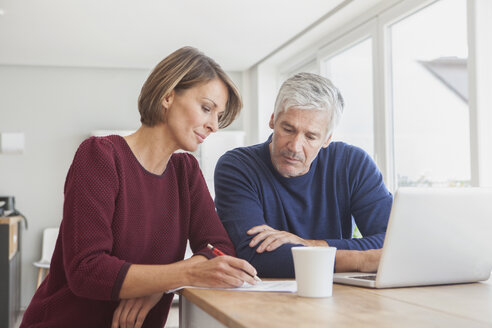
x=213 y=123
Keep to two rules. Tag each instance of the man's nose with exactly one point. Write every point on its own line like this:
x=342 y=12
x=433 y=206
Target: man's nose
x=295 y=144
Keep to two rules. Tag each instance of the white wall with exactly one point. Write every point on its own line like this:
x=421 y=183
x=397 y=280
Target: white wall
x=56 y=108
x=261 y=90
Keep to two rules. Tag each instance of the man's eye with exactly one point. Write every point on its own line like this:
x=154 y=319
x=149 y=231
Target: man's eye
x=311 y=138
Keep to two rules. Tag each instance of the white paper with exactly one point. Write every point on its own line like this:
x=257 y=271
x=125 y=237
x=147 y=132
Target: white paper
x=279 y=286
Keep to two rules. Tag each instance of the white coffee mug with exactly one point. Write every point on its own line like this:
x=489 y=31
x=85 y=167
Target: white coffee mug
x=313 y=268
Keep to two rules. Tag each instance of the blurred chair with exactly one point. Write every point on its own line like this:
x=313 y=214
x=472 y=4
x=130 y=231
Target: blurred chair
x=49 y=241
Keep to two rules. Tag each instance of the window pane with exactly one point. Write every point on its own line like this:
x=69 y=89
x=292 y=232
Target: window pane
x=351 y=72
x=430 y=99
x=310 y=67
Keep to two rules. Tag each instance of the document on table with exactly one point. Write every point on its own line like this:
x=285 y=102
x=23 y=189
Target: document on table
x=279 y=286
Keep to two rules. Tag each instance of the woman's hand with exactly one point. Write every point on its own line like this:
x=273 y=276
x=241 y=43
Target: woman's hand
x=222 y=272
x=131 y=312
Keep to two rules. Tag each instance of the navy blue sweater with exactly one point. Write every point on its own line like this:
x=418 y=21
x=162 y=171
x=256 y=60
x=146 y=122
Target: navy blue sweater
x=342 y=185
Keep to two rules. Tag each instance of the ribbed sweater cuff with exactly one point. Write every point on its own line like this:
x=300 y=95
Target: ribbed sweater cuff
x=115 y=294
x=209 y=255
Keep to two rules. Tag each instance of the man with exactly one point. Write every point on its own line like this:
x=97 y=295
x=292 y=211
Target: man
x=298 y=188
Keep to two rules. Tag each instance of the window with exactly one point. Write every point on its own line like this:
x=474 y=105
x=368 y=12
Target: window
x=311 y=66
x=351 y=72
x=403 y=70
x=430 y=96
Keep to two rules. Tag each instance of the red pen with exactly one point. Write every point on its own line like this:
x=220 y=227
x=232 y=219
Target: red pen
x=218 y=252
x=215 y=250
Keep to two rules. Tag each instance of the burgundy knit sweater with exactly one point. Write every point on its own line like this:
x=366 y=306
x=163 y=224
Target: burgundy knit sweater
x=116 y=214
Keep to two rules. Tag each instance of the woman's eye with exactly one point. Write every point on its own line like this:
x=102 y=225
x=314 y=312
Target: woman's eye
x=206 y=109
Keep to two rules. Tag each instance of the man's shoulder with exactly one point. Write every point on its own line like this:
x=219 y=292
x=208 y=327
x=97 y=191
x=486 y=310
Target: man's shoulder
x=245 y=155
x=340 y=150
x=247 y=163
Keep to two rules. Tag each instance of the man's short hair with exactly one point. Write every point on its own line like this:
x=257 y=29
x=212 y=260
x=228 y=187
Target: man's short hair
x=310 y=91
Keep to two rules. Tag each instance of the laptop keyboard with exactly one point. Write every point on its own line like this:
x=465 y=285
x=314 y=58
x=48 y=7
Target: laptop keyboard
x=369 y=277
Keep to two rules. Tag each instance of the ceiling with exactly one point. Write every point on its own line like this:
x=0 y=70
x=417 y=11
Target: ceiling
x=137 y=34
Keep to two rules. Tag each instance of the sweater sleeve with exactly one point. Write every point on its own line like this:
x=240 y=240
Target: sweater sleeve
x=205 y=225
x=240 y=209
x=91 y=188
x=370 y=202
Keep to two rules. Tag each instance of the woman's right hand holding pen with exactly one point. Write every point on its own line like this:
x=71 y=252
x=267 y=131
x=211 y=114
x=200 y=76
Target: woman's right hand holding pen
x=136 y=301
x=220 y=272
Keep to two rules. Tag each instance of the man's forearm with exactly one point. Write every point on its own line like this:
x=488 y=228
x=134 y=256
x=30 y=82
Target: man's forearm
x=363 y=261
x=278 y=263
x=368 y=242
x=312 y=242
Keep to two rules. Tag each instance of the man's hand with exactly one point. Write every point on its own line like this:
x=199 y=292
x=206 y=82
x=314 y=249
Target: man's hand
x=369 y=260
x=131 y=312
x=352 y=260
x=271 y=239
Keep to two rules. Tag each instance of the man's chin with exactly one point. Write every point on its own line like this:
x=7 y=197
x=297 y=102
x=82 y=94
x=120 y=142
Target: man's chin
x=288 y=173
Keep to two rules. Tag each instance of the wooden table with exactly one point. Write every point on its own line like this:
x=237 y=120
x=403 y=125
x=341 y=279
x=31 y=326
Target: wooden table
x=464 y=305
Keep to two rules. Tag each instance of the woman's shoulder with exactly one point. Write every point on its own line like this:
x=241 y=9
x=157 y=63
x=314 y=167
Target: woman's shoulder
x=184 y=160
x=105 y=143
x=95 y=159
x=100 y=149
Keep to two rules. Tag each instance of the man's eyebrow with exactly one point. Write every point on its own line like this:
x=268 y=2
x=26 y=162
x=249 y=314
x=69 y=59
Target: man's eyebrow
x=285 y=124
x=288 y=125
x=314 y=133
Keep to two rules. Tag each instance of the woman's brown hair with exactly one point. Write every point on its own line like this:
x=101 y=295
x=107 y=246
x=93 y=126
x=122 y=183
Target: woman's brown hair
x=184 y=69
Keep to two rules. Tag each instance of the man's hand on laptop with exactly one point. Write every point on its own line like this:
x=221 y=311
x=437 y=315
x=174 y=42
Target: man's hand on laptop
x=270 y=239
x=361 y=261
x=369 y=260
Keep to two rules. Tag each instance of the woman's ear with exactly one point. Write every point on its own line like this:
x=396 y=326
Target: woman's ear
x=167 y=100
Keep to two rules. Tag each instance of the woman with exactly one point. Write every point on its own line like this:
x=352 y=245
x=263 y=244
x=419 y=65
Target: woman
x=131 y=204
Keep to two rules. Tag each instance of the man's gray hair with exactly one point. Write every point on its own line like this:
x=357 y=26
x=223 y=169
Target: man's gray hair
x=310 y=91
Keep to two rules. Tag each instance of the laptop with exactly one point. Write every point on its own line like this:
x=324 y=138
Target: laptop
x=435 y=236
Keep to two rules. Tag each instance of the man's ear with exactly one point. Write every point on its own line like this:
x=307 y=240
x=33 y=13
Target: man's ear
x=327 y=142
x=271 y=123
